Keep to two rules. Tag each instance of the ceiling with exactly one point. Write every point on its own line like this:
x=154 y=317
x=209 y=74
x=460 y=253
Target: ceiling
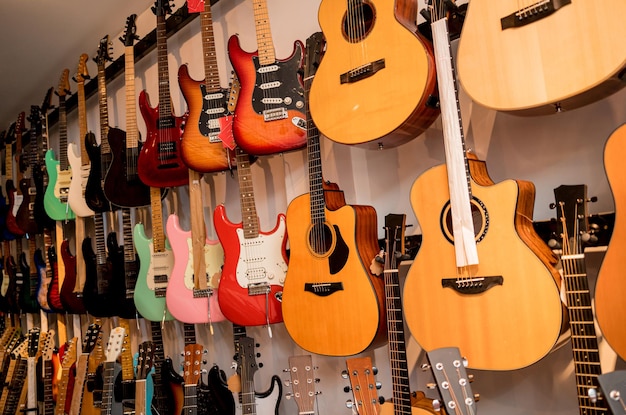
x=40 y=38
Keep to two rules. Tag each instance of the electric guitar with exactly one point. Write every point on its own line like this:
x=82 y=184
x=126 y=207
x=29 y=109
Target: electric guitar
x=36 y=342
x=114 y=350
x=268 y=116
x=9 y=138
x=82 y=367
x=208 y=133
x=9 y=282
x=122 y=186
x=156 y=262
x=366 y=66
x=609 y=290
x=488 y=263
x=77 y=151
x=191 y=294
x=144 y=366
x=45 y=271
x=253 y=402
x=14 y=194
x=54 y=288
x=99 y=154
x=15 y=378
x=4 y=233
x=328 y=273
x=520 y=56
x=67 y=364
x=47 y=374
x=160 y=163
x=125 y=269
x=70 y=294
x=29 y=280
x=59 y=174
x=255 y=262
x=571 y=207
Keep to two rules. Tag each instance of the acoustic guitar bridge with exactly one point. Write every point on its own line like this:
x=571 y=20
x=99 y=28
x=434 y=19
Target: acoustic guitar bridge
x=476 y=285
x=362 y=72
x=532 y=13
x=323 y=289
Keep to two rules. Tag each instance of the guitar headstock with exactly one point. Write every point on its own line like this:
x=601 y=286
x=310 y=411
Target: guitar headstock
x=145 y=360
x=192 y=368
x=364 y=387
x=302 y=383
x=130 y=32
x=70 y=355
x=612 y=385
x=33 y=341
x=20 y=124
x=91 y=337
x=46 y=104
x=114 y=345
x=64 y=83
x=448 y=368
x=162 y=8
x=21 y=349
x=246 y=360
x=315 y=45
x=35 y=116
x=82 y=74
x=47 y=346
x=571 y=209
x=104 y=52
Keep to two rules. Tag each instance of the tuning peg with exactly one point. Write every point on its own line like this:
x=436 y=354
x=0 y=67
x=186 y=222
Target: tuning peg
x=288 y=396
x=260 y=365
x=425 y=367
x=470 y=377
x=287 y=382
x=378 y=385
x=316 y=380
x=349 y=404
x=476 y=397
x=552 y=205
x=374 y=370
x=347 y=389
x=431 y=385
x=465 y=362
x=344 y=374
x=592 y=199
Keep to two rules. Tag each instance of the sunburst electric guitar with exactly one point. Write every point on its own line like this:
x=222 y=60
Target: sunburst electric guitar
x=328 y=274
x=269 y=116
x=366 y=66
x=538 y=57
x=480 y=255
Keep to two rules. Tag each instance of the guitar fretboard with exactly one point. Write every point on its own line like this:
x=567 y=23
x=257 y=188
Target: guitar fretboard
x=63 y=161
x=159 y=399
x=211 y=72
x=249 y=215
x=165 y=106
x=265 y=44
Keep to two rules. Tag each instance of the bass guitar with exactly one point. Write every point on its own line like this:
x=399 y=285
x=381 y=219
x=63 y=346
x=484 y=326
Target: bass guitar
x=122 y=186
x=255 y=262
x=366 y=66
x=14 y=194
x=208 y=133
x=519 y=56
x=99 y=154
x=160 y=163
x=488 y=263
x=609 y=290
x=328 y=273
x=59 y=173
x=268 y=116
x=191 y=294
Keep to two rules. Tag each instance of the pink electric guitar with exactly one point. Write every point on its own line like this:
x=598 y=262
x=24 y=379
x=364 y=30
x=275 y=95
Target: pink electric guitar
x=255 y=262
x=191 y=294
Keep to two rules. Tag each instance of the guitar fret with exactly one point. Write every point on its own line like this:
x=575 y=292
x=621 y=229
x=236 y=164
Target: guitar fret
x=246 y=196
x=263 y=33
x=165 y=108
x=132 y=131
x=211 y=73
x=104 y=113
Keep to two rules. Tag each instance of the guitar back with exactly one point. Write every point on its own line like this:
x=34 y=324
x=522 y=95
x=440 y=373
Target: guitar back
x=526 y=65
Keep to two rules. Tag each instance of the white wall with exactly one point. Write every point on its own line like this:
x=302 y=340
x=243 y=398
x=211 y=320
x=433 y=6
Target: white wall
x=551 y=150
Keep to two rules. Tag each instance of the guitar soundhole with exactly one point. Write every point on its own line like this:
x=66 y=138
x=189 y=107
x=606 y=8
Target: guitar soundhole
x=480 y=217
x=358 y=20
x=321 y=239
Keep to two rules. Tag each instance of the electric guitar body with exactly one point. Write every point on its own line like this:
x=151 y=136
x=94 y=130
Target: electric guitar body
x=57 y=179
x=507 y=313
x=94 y=195
x=366 y=66
x=97 y=289
x=72 y=301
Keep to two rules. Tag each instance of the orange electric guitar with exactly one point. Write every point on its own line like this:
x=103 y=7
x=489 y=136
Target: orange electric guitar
x=610 y=288
x=480 y=255
x=377 y=83
x=537 y=57
x=328 y=274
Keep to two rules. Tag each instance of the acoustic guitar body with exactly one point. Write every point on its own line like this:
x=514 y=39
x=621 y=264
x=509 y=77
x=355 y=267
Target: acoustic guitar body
x=610 y=289
x=373 y=82
x=511 y=323
x=565 y=59
x=332 y=305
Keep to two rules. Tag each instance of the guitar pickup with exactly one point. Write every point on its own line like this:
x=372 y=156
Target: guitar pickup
x=323 y=289
x=362 y=72
x=532 y=13
x=165 y=122
x=476 y=285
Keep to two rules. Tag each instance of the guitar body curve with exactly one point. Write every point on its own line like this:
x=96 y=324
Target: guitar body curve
x=72 y=301
x=80 y=174
x=149 y=304
x=160 y=163
x=122 y=186
x=253 y=134
x=527 y=70
x=610 y=289
x=15 y=202
x=94 y=195
x=268 y=402
x=13 y=291
x=96 y=291
x=44 y=282
x=58 y=185
x=197 y=150
x=360 y=112
x=309 y=309
x=240 y=271
x=179 y=296
x=509 y=325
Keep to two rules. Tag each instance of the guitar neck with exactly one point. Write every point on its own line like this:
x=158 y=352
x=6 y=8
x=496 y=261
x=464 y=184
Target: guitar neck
x=79 y=384
x=250 y=219
x=126 y=355
x=265 y=44
x=108 y=381
x=82 y=123
x=104 y=110
x=130 y=255
x=165 y=105
x=211 y=72
x=101 y=255
x=48 y=397
x=159 y=399
x=158 y=237
x=132 y=132
x=81 y=269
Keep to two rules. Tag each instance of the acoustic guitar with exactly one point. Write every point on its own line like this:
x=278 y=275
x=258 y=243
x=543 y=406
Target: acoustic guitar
x=328 y=273
x=377 y=83
x=610 y=290
x=268 y=116
x=480 y=255
x=539 y=57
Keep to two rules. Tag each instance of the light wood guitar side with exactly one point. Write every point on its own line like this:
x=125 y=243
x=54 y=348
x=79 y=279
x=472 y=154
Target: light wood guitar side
x=569 y=58
x=610 y=289
x=323 y=320
x=358 y=111
x=506 y=326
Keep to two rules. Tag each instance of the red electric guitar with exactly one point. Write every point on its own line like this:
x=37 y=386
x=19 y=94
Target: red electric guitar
x=14 y=194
